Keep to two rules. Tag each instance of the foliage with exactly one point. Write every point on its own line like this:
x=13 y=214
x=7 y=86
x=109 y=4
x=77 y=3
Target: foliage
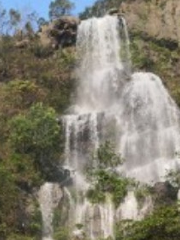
x=141 y=192
x=15 y=236
x=35 y=131
x=99 y=8
x=62 y=234
x=107 y=157
x=15 y=18
x=21 y=94
x=95 y=195
x=22 y=168
x=105 y=178
x=30 y=136
x=162 y=224
x=59 y=8
x=173 y=177
x=158 y=56
x=8 y=199
x=37 y=134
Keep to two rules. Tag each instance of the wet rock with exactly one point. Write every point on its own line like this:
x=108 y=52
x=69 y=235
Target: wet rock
x=164 y=193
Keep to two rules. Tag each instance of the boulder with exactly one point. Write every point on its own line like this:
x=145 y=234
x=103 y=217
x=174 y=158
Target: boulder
x=60 y=33
x=164 y=193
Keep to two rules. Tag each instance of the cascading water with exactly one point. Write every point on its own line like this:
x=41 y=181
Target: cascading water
x=134 y=110
x=150 y=136
x=49 y=197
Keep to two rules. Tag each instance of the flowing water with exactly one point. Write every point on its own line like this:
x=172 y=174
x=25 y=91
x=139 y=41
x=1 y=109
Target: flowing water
x=49 y=197
x=134 y=110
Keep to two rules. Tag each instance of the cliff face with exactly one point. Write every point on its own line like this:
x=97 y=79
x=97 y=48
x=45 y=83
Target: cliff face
x=159 y=19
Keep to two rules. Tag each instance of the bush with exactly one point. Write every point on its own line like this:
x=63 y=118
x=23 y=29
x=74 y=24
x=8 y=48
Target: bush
x=162 y=224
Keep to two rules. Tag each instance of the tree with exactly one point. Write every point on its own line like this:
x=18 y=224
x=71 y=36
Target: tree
x=59 y=8
x=3 y=20
x=37 y=134
x=15 y=18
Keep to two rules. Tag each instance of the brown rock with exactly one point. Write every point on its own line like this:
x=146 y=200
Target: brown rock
x=159 y=19
x=62 y=32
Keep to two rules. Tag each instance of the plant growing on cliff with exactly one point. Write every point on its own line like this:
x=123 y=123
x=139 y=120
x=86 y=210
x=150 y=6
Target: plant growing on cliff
x=162 y=224
x=105 y=177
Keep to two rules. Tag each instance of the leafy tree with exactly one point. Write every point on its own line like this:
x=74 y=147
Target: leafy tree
x=37 y=133
x=59 y=8
x=15 y=18
x=3 y=19
x=41 y=21
x=8 y=199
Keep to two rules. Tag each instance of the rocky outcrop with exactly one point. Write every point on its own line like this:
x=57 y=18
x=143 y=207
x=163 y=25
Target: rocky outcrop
x=159 y=19
x=164 y=193
x=61 y=32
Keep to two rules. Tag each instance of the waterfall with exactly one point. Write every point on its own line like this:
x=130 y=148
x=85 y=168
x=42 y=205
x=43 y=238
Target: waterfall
x=149 y=139
x=134 y=110
x=49 y=197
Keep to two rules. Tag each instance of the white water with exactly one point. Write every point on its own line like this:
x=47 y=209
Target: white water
x=135 y=110
x=49 y=197
x=149 y=139
x=130 y=208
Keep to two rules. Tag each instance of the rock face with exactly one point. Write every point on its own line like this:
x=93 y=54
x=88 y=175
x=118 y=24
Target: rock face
x=164 y=192
x=62 y=32
x=159 y=19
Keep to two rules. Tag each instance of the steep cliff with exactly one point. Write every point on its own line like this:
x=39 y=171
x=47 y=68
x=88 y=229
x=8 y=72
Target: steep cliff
x=154 y=28
x=159 y=19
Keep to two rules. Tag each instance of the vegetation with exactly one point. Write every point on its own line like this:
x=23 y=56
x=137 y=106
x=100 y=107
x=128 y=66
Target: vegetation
x=36 y=83
x=141 y=192
x=100 y=7
x=59 y=8
x=105 y=178
x=162 y=224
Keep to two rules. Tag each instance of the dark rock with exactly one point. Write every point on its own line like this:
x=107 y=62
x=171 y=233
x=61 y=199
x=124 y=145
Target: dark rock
x=164 y=193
